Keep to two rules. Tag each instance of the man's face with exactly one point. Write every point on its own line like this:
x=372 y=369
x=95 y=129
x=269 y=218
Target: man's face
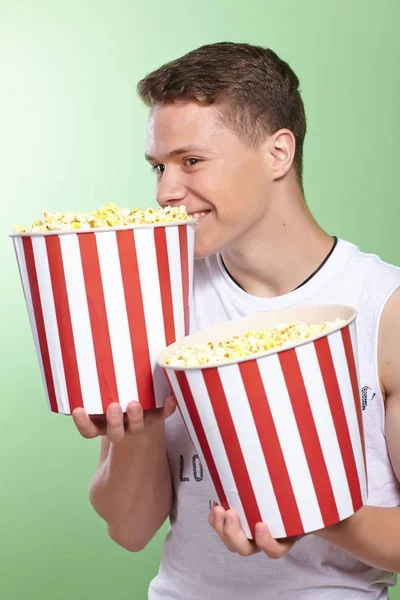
x=203 y=165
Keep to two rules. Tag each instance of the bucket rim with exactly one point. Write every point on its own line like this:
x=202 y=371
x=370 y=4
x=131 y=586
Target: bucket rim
x=185 y=341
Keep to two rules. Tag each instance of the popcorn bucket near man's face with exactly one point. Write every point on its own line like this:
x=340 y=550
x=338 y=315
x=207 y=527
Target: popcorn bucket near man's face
x=102 y=305
x=281 y=433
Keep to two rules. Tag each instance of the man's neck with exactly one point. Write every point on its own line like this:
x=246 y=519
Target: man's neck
x=281 y=253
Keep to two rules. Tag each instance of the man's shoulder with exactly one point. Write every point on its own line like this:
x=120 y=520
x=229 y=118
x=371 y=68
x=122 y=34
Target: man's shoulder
x=373 y=267
x=369 y=281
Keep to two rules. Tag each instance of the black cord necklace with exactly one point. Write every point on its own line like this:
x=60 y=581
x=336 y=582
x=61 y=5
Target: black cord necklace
x=335 y=241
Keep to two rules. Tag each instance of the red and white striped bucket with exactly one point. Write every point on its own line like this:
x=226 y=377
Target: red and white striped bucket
x=102 y=304
x=282 y=434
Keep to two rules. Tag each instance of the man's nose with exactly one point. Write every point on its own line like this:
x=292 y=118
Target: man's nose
x=170 y=189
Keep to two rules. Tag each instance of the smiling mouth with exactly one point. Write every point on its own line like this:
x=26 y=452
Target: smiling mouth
x=199 y=216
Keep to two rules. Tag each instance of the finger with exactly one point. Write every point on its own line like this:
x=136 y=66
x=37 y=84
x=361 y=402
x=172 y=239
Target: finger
x=235 y=538
x=85 y=426
x=212 y=515
x=217 y=519
x=160 y=414
x=169 y=407
x=272 y=547
x=134 y=412
x=115 y=422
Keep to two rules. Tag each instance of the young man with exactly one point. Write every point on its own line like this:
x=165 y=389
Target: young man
x=225 y=138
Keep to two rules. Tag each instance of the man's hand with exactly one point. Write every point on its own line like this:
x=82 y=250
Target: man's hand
x=226 y=524
x=116 y=425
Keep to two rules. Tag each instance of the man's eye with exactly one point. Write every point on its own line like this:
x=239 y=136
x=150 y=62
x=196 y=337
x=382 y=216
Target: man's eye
x=159 y=169
x=190 y=162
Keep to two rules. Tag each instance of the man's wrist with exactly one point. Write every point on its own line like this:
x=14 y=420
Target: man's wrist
x=338 y=532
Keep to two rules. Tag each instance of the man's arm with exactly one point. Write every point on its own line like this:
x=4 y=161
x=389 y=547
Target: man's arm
x=132 y=486
x=373 y=534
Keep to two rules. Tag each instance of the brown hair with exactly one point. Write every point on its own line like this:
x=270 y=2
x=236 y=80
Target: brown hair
x=258 y=92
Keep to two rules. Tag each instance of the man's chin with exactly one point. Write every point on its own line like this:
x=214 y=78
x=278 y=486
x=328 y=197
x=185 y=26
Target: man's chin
x=204 y=251
x=201 y=255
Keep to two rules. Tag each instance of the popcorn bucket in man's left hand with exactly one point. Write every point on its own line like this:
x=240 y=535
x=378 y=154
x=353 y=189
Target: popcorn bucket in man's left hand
x=274 y=412
x=103 y=301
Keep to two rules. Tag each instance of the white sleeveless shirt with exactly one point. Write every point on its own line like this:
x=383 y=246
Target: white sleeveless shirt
x=195 y=564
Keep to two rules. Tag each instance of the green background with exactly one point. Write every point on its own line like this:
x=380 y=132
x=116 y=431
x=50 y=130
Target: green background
x=72 y=135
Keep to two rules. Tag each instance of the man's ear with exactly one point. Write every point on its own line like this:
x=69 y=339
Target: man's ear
x=282 y=147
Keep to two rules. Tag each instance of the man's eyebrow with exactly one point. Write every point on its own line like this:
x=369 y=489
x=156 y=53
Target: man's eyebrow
x=183 y=150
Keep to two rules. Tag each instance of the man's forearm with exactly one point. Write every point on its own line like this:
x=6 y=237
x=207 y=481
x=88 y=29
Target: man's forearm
x=372 y=536
x=132 y=488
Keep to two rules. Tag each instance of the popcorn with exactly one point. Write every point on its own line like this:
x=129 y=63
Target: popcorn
x=110 y=215
x=248 y=344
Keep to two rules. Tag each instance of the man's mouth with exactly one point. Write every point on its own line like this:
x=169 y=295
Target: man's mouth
x=199 y=216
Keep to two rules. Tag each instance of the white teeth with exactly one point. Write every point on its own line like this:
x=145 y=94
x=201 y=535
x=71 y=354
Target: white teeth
x=196 y=215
